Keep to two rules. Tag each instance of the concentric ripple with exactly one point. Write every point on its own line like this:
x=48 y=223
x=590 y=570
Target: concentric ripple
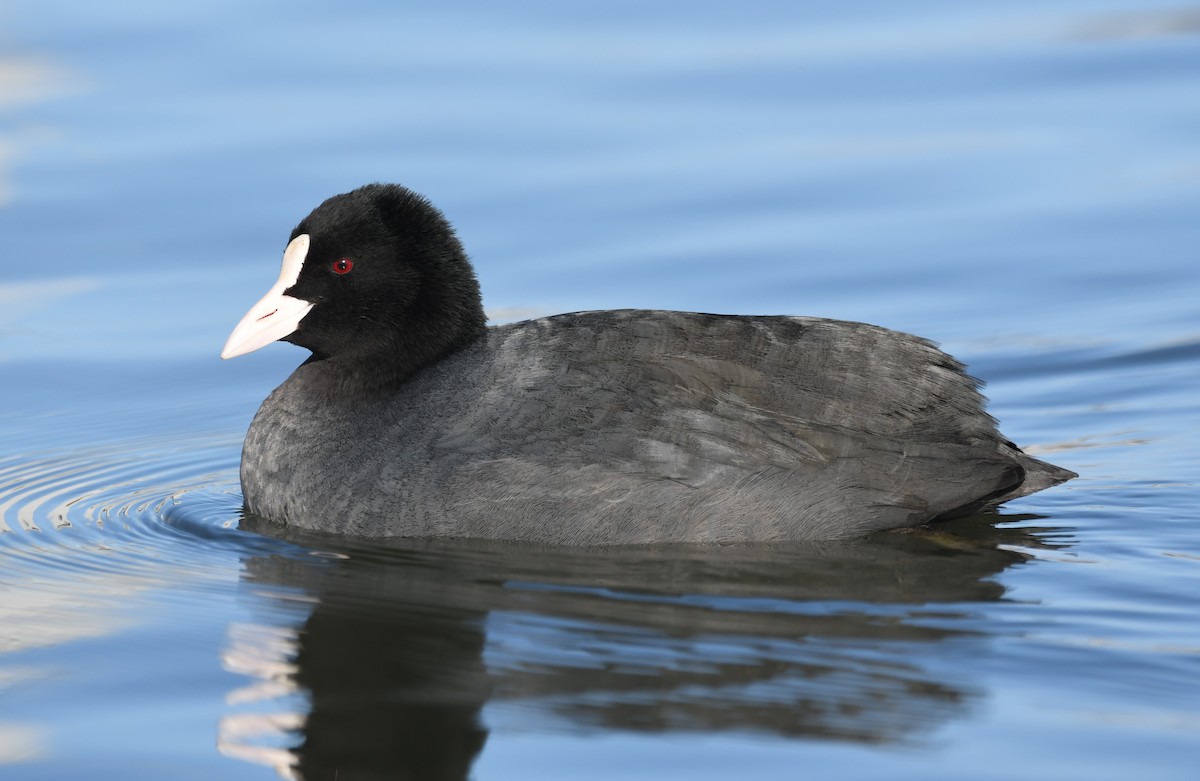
x=150 y=500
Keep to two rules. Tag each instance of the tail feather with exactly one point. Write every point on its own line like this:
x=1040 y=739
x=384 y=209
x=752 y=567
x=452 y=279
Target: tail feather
x=1039 y=475
x=1029 y=475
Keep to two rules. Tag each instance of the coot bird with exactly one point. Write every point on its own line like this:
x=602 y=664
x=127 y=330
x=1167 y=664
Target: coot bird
x=413 y=418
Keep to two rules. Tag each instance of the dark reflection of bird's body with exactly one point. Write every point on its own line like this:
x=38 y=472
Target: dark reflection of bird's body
x=405 y=646
x=381 y=706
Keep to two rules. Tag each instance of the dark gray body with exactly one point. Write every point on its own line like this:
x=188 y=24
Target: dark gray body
x=634 y=427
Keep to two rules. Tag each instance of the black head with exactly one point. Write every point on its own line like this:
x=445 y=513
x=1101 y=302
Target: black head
x=391 y=287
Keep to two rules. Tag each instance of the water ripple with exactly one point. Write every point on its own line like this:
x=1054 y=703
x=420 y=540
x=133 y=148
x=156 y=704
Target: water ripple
x=149 y=499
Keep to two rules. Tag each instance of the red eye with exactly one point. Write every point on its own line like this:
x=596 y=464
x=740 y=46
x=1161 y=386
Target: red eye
x=342 y=265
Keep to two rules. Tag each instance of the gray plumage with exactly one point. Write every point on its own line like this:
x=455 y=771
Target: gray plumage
x=631 y=427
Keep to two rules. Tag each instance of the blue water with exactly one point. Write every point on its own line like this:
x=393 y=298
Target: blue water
x=1019 y=181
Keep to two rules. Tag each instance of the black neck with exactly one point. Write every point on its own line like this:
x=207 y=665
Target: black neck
x=384 y=369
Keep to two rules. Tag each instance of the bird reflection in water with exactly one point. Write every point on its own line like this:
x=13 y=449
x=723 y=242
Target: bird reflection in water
x=392 y=653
